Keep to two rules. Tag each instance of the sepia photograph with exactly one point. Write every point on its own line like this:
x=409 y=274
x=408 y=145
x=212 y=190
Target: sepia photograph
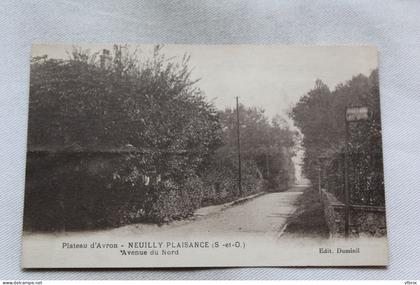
x=142 y=155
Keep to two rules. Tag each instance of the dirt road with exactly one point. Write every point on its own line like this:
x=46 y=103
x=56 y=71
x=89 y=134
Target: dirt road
x=266 y=214
x=263 y=215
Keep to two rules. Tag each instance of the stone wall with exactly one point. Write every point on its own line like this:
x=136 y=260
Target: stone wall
x=363 y=220
x=367 y=221
x=334 y=212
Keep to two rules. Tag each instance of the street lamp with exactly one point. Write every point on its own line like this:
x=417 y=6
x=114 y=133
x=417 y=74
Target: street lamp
x=353 y=114
x=239 y=148
x=321 y=163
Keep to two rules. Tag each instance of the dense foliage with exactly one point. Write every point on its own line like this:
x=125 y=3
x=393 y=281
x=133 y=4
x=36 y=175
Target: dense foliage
x=269 y=145
x=320 y=115
x=134 y=140
x=150 y=106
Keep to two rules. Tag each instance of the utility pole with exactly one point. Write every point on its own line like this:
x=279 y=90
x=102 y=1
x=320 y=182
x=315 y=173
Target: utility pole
x=239 y=148
x=267 y=168
x=346 y=182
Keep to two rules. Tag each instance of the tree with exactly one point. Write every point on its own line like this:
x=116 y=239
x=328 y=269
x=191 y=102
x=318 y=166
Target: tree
x=268 y=145
x=153 y=105
x=320 y=115
x=106 y=129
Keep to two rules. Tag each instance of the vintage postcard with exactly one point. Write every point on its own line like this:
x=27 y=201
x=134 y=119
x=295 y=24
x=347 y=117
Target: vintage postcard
x=203 y=156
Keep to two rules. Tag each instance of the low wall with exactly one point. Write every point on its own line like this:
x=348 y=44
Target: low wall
x=334 y=212
x=363 y=220
x=367 y=221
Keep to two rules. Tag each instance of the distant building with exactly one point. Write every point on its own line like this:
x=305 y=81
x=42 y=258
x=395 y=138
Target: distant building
x=105 y=59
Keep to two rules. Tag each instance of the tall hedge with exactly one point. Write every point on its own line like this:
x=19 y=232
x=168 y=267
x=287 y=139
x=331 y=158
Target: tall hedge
x=111 y=144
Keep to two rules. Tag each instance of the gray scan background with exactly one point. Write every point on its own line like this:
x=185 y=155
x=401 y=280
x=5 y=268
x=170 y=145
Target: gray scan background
x=394 y=26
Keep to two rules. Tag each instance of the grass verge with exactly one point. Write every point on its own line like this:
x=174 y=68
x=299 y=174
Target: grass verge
x=308 y=220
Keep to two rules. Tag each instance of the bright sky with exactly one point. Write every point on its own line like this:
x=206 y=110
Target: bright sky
x=273 y=77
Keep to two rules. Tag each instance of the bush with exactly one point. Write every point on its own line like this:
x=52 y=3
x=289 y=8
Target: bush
x=167 y=201
x=79 y=191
